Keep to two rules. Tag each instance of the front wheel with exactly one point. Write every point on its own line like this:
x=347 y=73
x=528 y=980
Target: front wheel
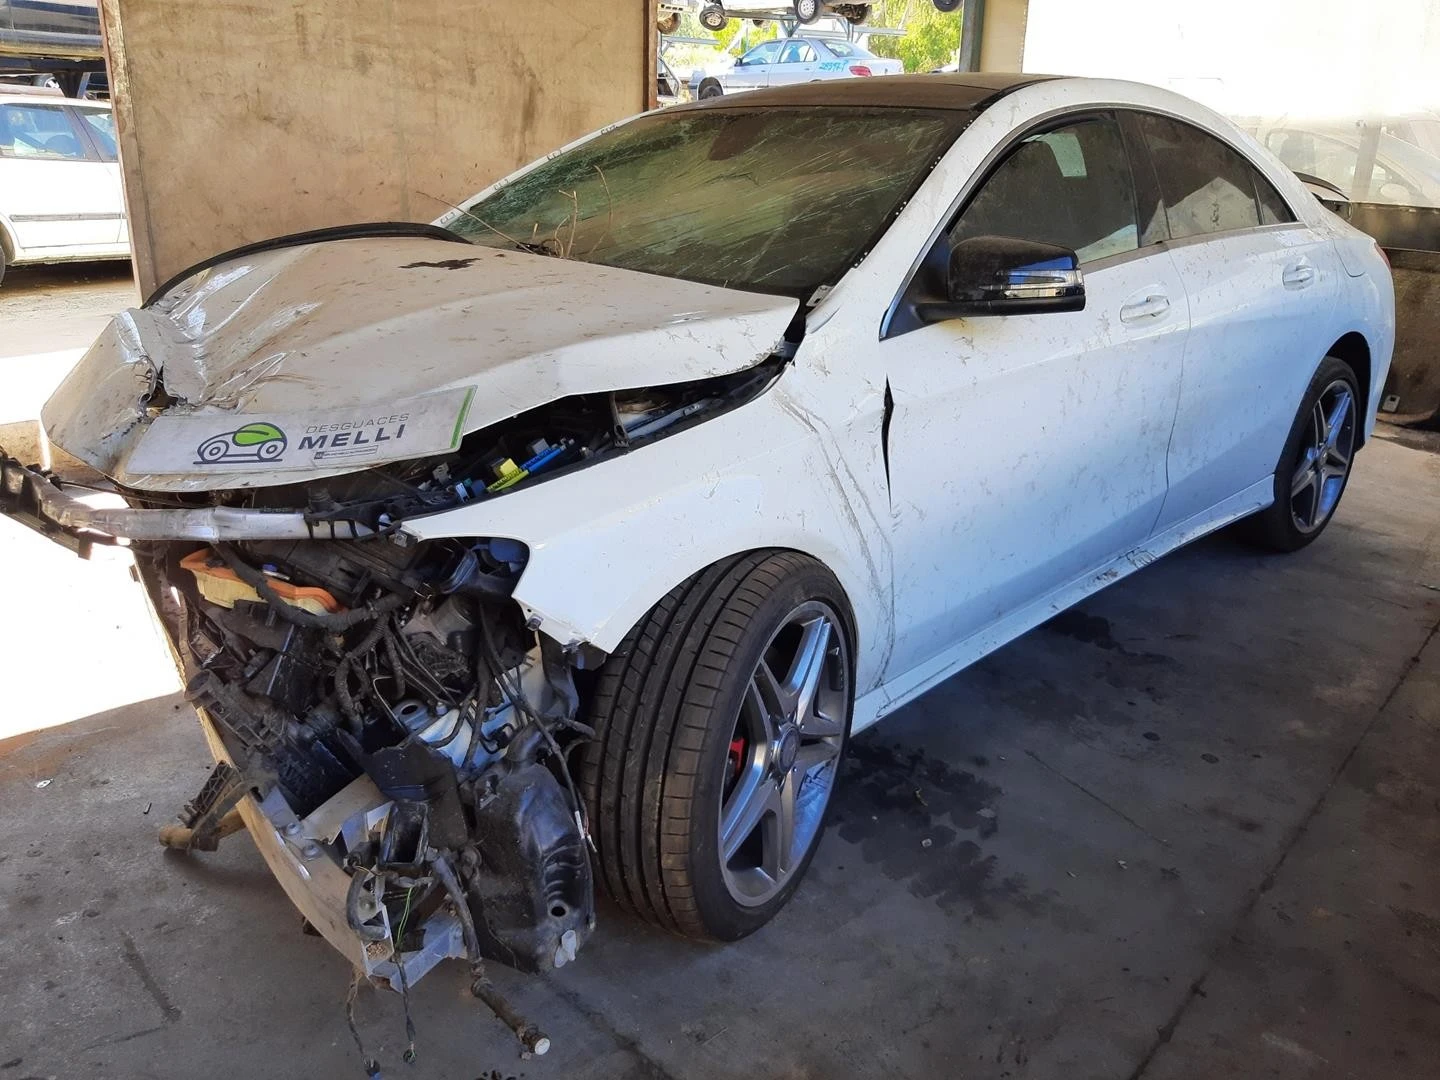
x=1315 y=464
x=721 y=720
x=710 y=89
x=668 y=23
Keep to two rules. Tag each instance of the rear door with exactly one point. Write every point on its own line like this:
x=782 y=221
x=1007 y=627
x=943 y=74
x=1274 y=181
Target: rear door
x=798 y=63
x=56 y=192
x=99 y=127
x=1257 y=280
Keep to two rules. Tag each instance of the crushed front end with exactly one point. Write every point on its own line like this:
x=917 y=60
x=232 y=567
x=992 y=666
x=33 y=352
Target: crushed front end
x=390 y=724
x=400 y=735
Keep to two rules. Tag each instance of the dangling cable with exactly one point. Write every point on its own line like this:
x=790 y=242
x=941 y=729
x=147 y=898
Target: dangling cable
x=372 y=1067
x=409 y=1055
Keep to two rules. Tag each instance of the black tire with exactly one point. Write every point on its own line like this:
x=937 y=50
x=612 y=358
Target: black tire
x=858 y=14
x=713 y=18
x=948 y=6
x=665 y=709
x=669 y=23
x=710 y=88
x=2 y=263
x=1276 y=528
x=806 y=11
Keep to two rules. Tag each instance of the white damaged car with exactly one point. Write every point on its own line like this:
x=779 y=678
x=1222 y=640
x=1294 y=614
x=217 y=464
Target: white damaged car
x=569 y=538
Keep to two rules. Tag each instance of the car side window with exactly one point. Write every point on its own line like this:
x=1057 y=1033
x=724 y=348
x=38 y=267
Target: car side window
x=1208 y=186
x=797 y=52
x=763 y=54
x=1273 y=208
x=39 y=131
x=101 y=123
x=1069 y=186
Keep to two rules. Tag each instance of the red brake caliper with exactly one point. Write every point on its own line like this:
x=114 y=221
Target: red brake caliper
x=737 y=758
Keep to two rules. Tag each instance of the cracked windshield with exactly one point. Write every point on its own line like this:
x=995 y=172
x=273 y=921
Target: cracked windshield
x=779 y=201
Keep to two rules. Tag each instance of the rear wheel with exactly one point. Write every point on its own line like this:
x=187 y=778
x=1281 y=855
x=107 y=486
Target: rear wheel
x=668 y=23
x=948 y=5
x=1315 y=464
x=710 y=89
x=721 y=720
x=807 y=11
x=713 y=18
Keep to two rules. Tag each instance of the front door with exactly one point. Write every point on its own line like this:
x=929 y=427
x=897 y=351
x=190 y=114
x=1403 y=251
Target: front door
x=752 y=71
x=1026 y=451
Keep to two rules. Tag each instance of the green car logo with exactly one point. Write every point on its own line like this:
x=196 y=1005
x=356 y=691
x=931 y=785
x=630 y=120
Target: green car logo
x=254 y=442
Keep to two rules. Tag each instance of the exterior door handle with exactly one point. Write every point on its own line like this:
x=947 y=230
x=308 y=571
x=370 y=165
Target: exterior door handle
x=1150 y=306
x=1298 y=275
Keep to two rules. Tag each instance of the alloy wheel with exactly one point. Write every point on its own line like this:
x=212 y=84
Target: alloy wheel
x=1326 y=451
x=784 y=754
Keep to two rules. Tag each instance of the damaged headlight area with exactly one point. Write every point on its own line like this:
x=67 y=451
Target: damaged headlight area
x=541 y=443
x=394 y=716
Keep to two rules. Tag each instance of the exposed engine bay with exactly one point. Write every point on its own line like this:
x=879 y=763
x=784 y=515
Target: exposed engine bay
x=383 y=699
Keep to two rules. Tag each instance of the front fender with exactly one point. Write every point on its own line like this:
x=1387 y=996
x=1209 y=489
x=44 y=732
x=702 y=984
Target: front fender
x=607 y=542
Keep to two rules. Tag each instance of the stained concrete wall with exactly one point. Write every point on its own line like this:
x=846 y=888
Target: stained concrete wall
x=245 y=120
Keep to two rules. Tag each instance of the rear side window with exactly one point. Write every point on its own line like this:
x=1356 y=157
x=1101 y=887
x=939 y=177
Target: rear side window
x=797 y=52
x=1208 y=187
x=1070 y=186
x=101 y=123
x=39 y=131
x=1273 y=210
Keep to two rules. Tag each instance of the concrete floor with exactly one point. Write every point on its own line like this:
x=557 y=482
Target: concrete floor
x=1189 y=830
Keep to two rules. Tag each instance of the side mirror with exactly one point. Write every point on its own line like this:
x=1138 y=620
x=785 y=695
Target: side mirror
x=1000 y=275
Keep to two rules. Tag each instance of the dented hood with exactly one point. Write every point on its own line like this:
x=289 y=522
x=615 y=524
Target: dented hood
x=414 y=340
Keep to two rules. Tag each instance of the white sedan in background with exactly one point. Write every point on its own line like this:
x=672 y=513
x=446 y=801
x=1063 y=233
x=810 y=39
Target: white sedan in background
x=60 y=194
x=855 y=383
x=783 y=62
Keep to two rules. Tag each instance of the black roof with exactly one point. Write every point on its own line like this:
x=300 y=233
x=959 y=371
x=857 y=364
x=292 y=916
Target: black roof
x=971 y=90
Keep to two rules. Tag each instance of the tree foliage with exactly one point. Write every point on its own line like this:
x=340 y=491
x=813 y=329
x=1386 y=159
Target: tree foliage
x=931 y=39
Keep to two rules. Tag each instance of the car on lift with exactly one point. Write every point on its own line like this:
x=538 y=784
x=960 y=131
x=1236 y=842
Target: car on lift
x=57 y=41
x=856 y=382
x=714 y=16
x=61 y=198
x=784 y=61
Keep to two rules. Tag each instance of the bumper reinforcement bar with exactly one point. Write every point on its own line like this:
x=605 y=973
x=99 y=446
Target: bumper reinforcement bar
x=34 y=499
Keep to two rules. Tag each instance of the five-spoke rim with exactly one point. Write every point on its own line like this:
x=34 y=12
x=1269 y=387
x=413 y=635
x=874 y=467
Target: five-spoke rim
x=785 y=753
x=1325 y=454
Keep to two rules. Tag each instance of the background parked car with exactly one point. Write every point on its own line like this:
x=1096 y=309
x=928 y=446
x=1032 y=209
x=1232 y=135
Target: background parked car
x=60 y=193
x=796 y=60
